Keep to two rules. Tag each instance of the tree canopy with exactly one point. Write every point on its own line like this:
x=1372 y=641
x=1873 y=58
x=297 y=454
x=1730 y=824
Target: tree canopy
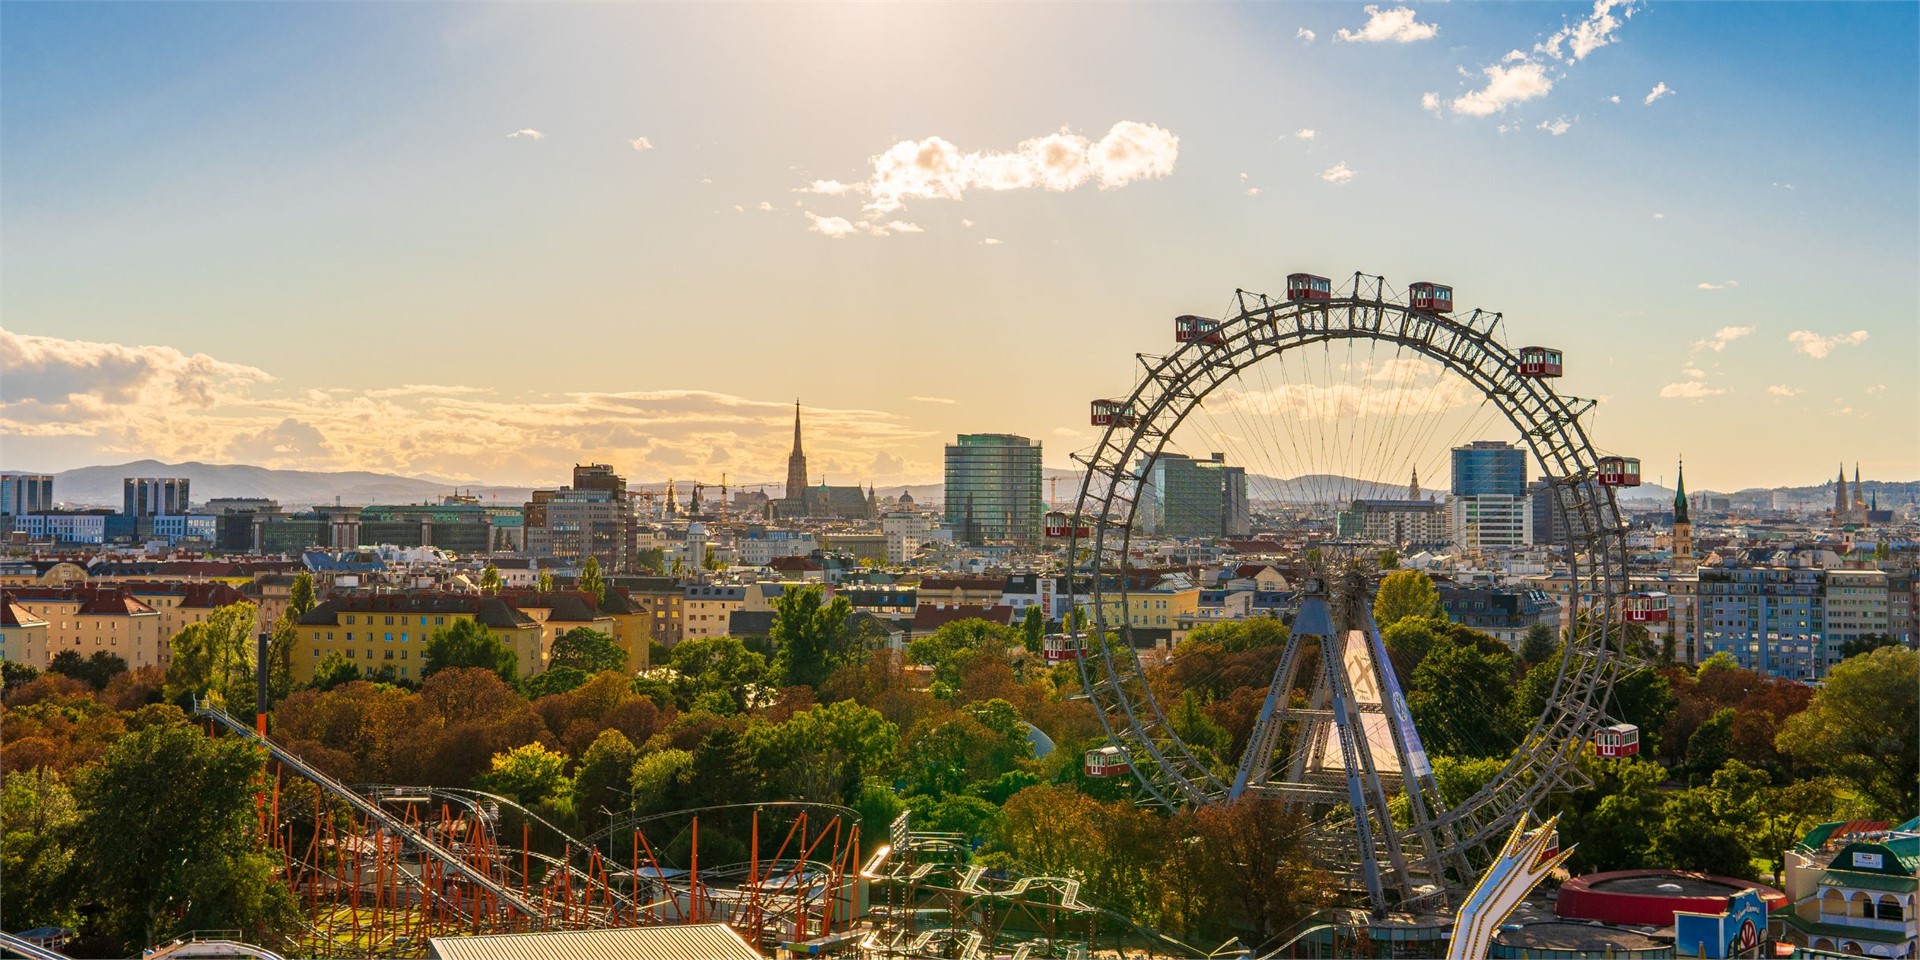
x=468 y=643
x=1406 y=593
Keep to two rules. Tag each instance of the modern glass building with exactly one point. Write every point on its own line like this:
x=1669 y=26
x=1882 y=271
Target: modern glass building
x=993 y=489
x=1184 y=497
x=23 y=493
x=1489 y=466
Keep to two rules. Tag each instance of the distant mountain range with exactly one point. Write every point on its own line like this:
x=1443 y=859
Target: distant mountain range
x=101 y=486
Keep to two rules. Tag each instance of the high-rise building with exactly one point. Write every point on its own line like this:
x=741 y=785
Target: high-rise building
x=22 y=493
x=1489 y=466
x=993 y=489
x=1184 y=497
x=1403 y=523
x=1549 y=517
x=154 y=496
x=618 y=542
x=1490 y=521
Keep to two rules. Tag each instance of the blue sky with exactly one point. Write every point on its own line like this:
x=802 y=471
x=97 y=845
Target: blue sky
x=301 y=235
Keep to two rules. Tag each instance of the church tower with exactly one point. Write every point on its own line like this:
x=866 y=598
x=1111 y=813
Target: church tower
x=1859 y=496
x=1683 y=562
x=1840 y=501
x=797 y=471
x=1413 y=489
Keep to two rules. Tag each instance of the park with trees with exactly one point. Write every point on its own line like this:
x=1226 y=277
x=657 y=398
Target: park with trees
x=125 y=821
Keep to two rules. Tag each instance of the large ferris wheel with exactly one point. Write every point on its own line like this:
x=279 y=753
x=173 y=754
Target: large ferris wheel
x=1373 y=384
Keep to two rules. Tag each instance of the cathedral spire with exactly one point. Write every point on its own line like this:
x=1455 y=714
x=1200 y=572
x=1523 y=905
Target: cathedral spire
x=796 y=426
x=1413 y=489
x=797 y=471
x=1680 y=495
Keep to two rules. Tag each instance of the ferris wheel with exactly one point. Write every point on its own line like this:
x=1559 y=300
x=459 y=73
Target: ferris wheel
x=1373 y=385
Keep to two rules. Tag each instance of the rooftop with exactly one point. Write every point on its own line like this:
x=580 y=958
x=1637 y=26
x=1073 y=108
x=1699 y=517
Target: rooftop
x=694 y=941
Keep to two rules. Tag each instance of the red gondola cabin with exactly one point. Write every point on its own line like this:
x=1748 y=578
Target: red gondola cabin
x=1061 y=647
x=1107 y=761
x=1060 y=526
x=1619 y=740
x=1189 y=329
x=1112 y=413
x=1431 y=297
x=1645 y=608
x=1619 y=471
x=1539 y=362
x=1306 y=286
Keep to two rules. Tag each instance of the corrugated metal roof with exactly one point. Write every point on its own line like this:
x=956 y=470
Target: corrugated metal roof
x=701 y=941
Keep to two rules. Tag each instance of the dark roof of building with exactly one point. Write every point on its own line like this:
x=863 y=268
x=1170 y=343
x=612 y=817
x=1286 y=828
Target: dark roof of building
x=750 y=623
x=796 y=564
x=926 y=619
x=197 y=594
x=489 y=611
x=93 y=599
x=567 y=606
x=931 y=584
x=15 y=615
x=687 y=941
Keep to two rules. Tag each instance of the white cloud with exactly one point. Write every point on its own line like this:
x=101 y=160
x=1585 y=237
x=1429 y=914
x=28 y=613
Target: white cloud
x=1818 y=347
x=1659 y=216
x=1505 y=87
x=831 y=227
x=966 y=223
x=1304 y=35
x=1558 y=126
x=1253 y=191
x=739 y=209
x=1783 y=186
x=158 y=401
x=1306 y=133
x=1693 y=373
x=943 y=400
x=1430 y=102
x=1398 y=25
x=529 y=133
x=902 y=226
x=1876 y=390
x=1587 y=35
x=831 y=188
x=1722 y=285
x=1843 y=411
x=1721 y=337
x=1339 y=173
x=640 y=144
x=1782 y=390
x=1614 y=99
x=990 y=242
x=935 y=169
x=1689 y=390
x=765 y=207
x=1659 y=90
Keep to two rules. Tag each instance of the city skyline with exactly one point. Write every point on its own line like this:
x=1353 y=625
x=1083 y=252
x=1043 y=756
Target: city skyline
x=485 y=243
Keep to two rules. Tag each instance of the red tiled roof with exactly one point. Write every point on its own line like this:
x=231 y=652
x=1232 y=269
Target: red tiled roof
x=15 y=615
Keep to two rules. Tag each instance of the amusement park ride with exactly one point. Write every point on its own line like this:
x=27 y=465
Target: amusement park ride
x=379 y=869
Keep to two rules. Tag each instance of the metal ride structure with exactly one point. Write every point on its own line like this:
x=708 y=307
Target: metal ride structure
x=1342 y=757
x=376 y=870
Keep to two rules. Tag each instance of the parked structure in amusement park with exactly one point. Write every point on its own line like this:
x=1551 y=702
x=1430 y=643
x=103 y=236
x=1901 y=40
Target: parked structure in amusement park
x=1343 y=756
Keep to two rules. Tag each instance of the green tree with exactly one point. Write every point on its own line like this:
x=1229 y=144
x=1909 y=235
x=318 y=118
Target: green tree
x=662 y=782
x=468 y=643
x=1710 y=746
x=1194 y=727
x=37 y=823
x=823 y=754
x=722 y=666
x=592 y=582
x=167 y=842
x=489 y=578
x=1462 y=700
x=13 y=674
x=1240 y=636
x=1406 y=593
x=1859 y=726
x=1865 y=643
x=1693 y=832
x=588 y=649
x=545 y=582
x=1611 y=821
x=810 y=635
x=954 y=645
x=528 y=774
x=554 y=680
x=332 y=672
x=651 y=560
x=1539 y=645
x=300 y=596
x=95 y=671
x=214 y=654
x=1033 y=628
x=605 y=775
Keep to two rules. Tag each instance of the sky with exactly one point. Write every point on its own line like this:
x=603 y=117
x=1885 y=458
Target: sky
x=484 y=242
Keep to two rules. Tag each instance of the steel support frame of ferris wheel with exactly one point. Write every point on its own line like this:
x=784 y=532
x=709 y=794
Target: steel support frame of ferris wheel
x=1174 y=385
